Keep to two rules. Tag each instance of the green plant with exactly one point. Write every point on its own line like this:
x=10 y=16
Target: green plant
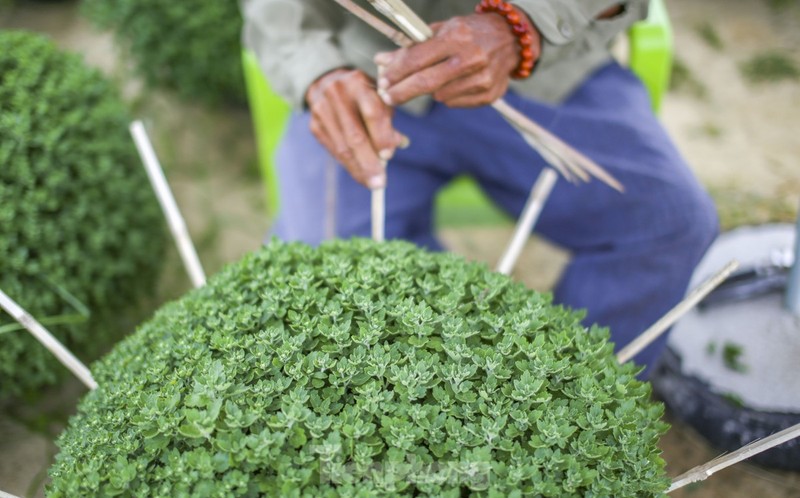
x=190 y=46
x=682 y=80
x=80 y=231
x=362 y=369
x=738 y=207
x=779 y=5
x=770 y=66
x=709 y=34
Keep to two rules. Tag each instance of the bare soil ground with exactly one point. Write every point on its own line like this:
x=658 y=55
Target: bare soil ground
x=740 y=136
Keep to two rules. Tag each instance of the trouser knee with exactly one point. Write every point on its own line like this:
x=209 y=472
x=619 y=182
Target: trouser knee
x=703 y=225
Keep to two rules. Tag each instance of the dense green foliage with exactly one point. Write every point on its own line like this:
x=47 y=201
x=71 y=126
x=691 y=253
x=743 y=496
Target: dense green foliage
x=80 y=230
x=191 y=46
x=362 y=369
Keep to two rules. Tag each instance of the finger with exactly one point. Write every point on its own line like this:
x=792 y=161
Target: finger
x=321 y=134
x=479 y=83
x=427 y=81
x=367 y=165
x=403 y=142
x=321 y=87
x=326 y=128
x=378 y=120
x=471 y=100
x=400 y=64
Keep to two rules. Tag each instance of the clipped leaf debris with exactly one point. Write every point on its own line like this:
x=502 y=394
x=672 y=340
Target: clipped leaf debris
x=362 y=369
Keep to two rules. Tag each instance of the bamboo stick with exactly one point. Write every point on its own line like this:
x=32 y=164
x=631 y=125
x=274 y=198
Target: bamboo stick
x=406 y=19
x=587 y=166
x=703 y=472
x=379 y=214
x=330 y=199
x=672 y=316
x=389 y=32
x=46 y=338
x=530 y=214
x=173 y=215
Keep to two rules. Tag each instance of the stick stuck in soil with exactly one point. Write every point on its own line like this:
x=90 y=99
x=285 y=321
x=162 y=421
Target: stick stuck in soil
x=673 y=315
x=703 y=472
x=540 y=192
x=174 y=218
x=330 y=199
x=379 y=214
x=46 y=338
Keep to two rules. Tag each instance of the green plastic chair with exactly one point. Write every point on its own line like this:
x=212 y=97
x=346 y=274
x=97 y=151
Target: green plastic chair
x=461 y=202
x=650 y=55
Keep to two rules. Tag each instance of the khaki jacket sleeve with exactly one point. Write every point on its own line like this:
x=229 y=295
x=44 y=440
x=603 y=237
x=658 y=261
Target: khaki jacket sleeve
x=572 y=25
x=294 y=41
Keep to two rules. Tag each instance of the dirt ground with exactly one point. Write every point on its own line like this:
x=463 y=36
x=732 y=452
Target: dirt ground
x=740 y=137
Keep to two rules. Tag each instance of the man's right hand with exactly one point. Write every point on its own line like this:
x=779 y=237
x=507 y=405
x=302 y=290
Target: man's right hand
x=352 y=122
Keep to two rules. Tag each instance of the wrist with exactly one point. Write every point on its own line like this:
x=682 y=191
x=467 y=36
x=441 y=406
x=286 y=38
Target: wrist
x=519 y=25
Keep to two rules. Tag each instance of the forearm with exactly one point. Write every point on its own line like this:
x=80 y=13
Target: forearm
x=295 y=42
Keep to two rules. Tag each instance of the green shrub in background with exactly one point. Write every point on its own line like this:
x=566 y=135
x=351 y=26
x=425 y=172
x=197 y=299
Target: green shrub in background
x=80 y=230
x=191 y=46
x=362 y=369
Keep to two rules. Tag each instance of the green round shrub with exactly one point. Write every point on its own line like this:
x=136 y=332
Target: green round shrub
x=362 y=369
x=191 y=46
x=81 y=235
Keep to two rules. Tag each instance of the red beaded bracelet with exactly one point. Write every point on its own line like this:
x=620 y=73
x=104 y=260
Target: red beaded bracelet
x=521 y=29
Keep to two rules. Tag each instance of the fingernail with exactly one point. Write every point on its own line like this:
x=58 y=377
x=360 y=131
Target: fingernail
x=405 y=142
x=386 y=154
x=382 y=58
x=376 y=182
x=385 y=96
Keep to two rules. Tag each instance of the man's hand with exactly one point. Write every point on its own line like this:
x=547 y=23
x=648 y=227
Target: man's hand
x=467 y=63
x=350 y=120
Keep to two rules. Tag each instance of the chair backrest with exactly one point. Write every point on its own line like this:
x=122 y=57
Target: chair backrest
x=462 y=201
x=651 y=47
